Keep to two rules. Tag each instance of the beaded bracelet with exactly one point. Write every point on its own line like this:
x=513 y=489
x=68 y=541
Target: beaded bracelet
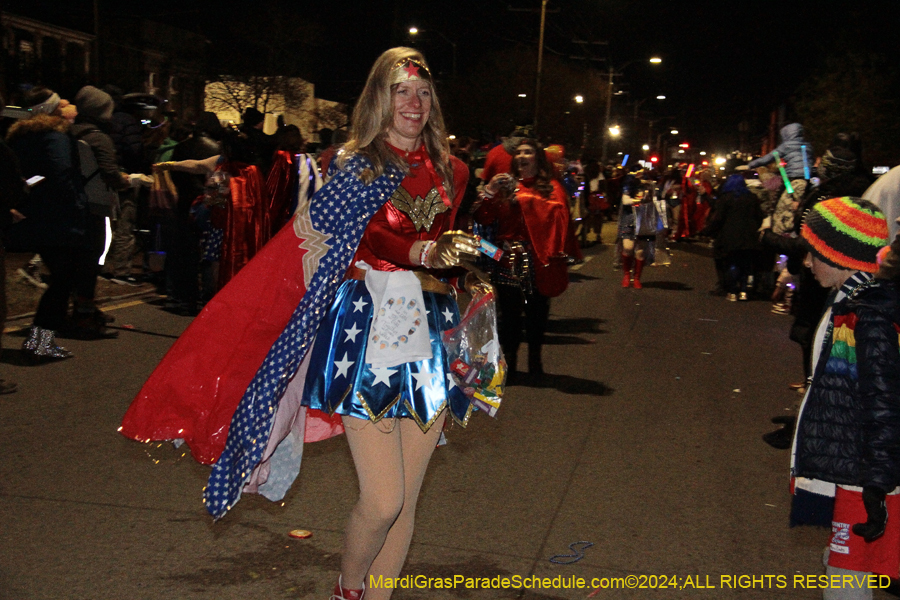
x=424 y=251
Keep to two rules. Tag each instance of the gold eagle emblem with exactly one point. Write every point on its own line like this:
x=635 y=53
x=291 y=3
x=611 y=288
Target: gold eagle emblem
x=421 y=211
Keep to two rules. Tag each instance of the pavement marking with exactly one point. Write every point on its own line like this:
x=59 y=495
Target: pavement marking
x=124 y=305
x=574 y=558
x=15 y=328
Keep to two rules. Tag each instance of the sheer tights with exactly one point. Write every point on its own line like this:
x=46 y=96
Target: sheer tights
x=391 y=466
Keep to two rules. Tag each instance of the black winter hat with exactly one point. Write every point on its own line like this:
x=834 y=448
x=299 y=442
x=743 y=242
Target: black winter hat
x=94 y=103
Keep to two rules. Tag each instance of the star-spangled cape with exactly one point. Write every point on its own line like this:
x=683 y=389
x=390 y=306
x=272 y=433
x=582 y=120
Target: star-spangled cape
x=219 y=385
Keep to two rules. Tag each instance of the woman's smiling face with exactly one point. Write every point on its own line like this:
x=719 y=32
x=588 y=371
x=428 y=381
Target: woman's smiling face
x=412 y=107
x=526 y=160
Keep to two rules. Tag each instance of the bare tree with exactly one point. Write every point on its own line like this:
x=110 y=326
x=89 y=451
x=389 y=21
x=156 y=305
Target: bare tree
x=273 y=93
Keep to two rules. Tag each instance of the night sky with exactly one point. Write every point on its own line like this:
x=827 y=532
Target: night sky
x=723 y=61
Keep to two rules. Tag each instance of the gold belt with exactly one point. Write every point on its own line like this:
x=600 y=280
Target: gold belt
x=430 y=283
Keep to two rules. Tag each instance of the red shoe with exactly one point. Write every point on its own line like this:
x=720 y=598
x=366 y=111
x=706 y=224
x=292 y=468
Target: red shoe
x=627 y=261
x=638 y=269
x=342 y=593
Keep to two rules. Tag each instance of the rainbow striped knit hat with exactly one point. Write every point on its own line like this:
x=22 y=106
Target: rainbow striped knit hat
x=846 y=233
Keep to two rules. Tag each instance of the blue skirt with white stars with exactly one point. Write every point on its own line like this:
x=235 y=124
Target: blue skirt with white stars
x=339 y=380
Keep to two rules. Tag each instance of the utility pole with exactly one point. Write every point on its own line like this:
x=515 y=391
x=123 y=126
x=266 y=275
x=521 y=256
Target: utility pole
x=540 y=61
x=588 y=56
x=605 y=130
x=540 y=64
x=609 y=96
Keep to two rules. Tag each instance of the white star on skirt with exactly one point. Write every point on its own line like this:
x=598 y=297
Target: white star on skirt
x=424 y=379
x=382 y=375
x=342 y=366
x=359 y=304
x=451 y=383
x=352 y=333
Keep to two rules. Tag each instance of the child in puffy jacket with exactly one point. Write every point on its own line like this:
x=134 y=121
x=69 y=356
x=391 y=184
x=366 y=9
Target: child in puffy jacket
x=790 y=150
x=846 y=462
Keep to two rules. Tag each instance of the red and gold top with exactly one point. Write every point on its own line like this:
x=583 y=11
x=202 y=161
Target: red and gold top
x=419 y=210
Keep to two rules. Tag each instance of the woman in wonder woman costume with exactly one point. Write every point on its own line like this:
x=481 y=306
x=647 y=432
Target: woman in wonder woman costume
x=336 y=325
x=393 y=413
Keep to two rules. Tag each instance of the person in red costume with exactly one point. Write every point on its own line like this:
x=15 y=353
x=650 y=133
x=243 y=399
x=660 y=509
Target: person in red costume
x=532 y=216
x=499 y=158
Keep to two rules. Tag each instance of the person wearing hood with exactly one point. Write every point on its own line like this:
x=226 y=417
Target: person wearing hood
x=789 y=150
x=54 y=215
x=95 y=109
x=734 y=225
x=797 y=153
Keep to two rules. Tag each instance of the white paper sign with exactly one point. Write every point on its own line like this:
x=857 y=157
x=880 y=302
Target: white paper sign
x=399 y=331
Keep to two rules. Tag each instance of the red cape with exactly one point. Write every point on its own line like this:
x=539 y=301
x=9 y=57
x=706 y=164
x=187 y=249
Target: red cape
x=247 y=226
x=547 y=220
x=210 y=366
x=281 y=181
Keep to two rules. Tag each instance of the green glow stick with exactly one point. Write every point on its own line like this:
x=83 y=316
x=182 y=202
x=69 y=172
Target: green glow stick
x=787 y=182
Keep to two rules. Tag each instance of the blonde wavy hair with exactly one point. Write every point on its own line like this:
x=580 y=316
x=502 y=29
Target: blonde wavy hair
x=373 y=117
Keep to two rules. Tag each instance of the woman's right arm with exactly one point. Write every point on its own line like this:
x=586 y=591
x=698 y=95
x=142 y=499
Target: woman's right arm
x=492 y=199
x=195 y=167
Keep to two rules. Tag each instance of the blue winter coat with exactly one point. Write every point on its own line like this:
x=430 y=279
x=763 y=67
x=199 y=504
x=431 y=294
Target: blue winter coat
x=790 y=151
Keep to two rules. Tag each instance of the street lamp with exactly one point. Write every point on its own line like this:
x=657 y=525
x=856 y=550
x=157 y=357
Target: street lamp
x=614 y=131
x=660 y=97
x=579 y=98
x=674 y=132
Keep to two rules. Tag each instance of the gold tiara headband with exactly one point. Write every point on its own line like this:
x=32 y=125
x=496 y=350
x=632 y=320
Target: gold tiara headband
x=409 y=69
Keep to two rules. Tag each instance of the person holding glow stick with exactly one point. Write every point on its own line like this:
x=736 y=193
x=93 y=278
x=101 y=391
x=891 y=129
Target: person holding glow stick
x=793 y=172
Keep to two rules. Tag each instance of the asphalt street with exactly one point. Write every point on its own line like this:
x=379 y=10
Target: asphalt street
x=643 y=444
